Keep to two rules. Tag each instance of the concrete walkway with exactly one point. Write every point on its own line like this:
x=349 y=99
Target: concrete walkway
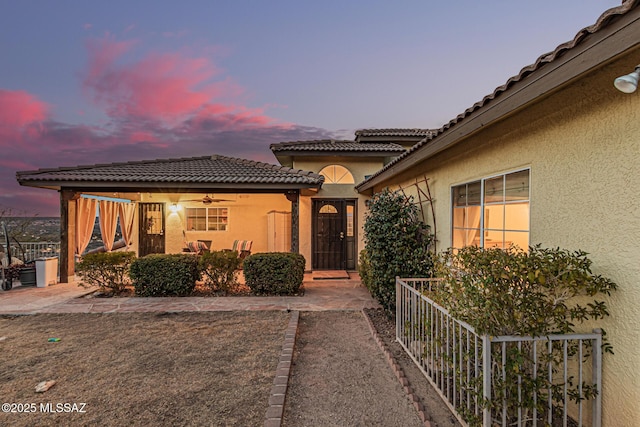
x=320 y=295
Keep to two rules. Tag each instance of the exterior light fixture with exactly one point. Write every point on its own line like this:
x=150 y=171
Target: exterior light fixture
x=628 y=83
x=174 y=208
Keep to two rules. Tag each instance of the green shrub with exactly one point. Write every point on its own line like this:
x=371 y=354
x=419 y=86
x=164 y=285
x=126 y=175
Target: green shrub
x=397 y=243
x=107 y=270
x=220 y=270
x=513 y=292
x=165 y=275
x=364 y=270
x=274 y=273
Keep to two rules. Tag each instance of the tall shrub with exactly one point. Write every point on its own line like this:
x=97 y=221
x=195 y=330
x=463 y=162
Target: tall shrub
x=397 y=243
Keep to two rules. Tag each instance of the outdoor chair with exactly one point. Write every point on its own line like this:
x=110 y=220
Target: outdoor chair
x=196 y=246
x=242 y=247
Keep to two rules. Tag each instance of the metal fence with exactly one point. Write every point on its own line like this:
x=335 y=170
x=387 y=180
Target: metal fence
x=35 y=250
x=500 y=380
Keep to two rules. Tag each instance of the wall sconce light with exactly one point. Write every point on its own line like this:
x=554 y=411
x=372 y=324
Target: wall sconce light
x=628 y=83
x=174 y=207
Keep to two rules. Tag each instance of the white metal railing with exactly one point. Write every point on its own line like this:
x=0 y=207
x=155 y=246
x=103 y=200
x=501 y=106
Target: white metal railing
x=35 y=250
x=551 y=381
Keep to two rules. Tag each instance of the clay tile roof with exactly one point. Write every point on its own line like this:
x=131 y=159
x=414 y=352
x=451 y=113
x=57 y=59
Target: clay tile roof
x=608 y=17
x=340 y=145
x=201 y=170
x=395 y=132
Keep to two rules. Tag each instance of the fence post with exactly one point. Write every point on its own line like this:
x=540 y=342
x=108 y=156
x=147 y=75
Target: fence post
x=596 y=420
x=398 y=310
x=486 y=380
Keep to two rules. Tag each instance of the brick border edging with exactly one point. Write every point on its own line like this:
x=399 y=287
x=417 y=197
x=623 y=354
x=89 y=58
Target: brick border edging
x=399 y=373
x=273 y=417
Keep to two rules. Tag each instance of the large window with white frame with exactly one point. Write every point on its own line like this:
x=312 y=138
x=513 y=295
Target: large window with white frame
x=492 y=212
x=207 y=219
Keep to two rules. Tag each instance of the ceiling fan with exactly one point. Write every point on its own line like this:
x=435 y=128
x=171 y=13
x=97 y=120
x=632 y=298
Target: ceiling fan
x=208 y=200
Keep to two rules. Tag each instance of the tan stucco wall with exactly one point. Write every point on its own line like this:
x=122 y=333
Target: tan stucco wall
x=583 y=148
x=359 y=167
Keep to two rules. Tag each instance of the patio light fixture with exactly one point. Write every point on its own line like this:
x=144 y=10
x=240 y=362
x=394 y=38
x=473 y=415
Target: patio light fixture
x=174 y=208
x=629 y=82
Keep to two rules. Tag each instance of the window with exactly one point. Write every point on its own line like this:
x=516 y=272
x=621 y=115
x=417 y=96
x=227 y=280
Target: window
x=207 y=219
x=492 y=212
x=336 y=174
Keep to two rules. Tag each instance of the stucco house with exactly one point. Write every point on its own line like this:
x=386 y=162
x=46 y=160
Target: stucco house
x=307 y=203
x=550 y=157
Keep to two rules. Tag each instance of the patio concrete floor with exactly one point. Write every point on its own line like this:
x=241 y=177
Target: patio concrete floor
x=320 y=295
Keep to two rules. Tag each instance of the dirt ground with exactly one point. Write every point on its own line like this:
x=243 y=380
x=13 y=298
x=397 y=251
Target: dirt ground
x=185 y=369
x=215 y=368
x=340 y=377
x=434 y=406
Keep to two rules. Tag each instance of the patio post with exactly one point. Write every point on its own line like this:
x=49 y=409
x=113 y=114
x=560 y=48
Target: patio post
x=67 y=234
x=294 y=197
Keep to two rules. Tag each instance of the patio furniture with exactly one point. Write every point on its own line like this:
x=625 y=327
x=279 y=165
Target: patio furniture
x=196 y=246
x=242 y=247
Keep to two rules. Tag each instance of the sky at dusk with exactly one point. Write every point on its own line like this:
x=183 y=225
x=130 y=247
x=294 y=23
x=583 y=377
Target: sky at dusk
x=111 y=81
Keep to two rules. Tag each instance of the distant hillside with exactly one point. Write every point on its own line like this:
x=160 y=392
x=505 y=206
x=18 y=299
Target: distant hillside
x=45 y=229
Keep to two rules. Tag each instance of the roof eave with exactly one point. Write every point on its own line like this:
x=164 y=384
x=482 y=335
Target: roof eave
x=338 y=153
x=597 y=50
x=167 y=186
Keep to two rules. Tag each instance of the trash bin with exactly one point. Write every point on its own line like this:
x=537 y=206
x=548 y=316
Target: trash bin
x=46 y=271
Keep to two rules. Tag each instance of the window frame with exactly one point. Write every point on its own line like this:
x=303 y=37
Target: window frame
x=483 y=229
x=207 y=218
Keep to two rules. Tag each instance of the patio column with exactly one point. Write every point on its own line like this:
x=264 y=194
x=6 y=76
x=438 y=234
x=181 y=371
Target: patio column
x=294 y=197
x=67 y=234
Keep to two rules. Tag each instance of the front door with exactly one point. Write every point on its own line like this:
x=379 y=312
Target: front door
x=151 y=229
x=333 y=228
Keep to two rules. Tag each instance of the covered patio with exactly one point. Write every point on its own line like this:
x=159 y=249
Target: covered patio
x=161 y=204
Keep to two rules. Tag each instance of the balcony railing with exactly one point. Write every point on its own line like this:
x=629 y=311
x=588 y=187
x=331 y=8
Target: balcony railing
x=35 y=250
x=553 y=380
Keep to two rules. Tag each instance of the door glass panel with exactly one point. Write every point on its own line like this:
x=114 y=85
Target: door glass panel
x=154 y=222
x=328 y=209
x=350 y=210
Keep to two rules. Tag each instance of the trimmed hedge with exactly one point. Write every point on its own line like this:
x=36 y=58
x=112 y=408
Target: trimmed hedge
x=165 y=275
x=107 y=270
x=274 y=273
x=220 y=270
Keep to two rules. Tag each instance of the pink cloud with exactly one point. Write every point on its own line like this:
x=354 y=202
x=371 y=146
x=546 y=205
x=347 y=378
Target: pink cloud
x=170 y=87
x=19 y=109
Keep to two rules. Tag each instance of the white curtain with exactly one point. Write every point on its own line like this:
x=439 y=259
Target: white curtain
x=85 y=219
x=127 y=213
x=108 y=222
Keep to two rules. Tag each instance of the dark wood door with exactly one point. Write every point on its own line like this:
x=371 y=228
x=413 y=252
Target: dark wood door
x=151 y=229
x=328 y=235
